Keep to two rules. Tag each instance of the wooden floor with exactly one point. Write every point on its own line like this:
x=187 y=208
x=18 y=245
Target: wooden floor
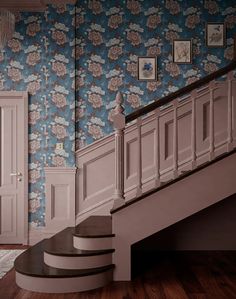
x=182 y=275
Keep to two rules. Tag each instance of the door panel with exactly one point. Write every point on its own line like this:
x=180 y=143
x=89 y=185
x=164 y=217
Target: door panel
x=13 y=167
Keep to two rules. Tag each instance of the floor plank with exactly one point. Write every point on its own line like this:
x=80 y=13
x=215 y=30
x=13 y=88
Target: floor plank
x=182 y=275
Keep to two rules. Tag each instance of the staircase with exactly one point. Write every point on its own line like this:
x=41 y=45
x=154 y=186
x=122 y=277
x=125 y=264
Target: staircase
x=172 y=159
x=74 y=260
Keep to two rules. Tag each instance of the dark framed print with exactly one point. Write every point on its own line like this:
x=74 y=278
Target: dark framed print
x=215 y=35
x=182 y=51
x=147 y=68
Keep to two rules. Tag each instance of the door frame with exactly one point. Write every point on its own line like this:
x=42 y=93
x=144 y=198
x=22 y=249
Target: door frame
x=22 y=96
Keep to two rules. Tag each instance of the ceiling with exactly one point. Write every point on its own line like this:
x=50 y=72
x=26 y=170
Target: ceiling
x=31 y=5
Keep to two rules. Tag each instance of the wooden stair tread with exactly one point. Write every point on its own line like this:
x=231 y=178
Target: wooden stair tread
x=95 y=227
x=62 y=244
x=31 y=263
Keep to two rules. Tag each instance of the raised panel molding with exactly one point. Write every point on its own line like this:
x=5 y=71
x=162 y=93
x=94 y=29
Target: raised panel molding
x=60 y=198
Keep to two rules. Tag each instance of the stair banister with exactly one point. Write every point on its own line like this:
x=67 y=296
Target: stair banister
x=120 y=120
x=180 y=92
x=119 y=125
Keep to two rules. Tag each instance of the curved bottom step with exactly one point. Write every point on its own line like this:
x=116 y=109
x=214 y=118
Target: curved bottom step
x=63 y=285
x=34 y=275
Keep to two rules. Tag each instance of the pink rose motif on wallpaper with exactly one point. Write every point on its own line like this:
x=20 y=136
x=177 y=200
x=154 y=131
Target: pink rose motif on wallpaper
x=34 y=116
x=61 y=8
x=34 y=205
x=14 y=74
x=132 y=68
x=114 y=52
x=114 y=21
x=134 y=7
x=95 y=69
x=173 y=7
x=153 y=21
x=171 y=35
x=34 y=175
x=211 y=6
x=134 y=100
x=230 y=21
x=77 y=52
x=59 y=99
x=95 y=100
x=95 y=131
x=33 y=58
x=34 y=146
x=79 y=82
x=210 y=67
x=95 y=37
x=192 y=21
x=114 y=83
x=95 y=6
x=59 y=131
x=173 y=69
x=134 y=38
x=33 y=87
x=14 y=45
x=79 y=113
x=33 y=28
x=59 y=68
x=153 y=51
x=229 y=53
x=152 y=86
x=59 y=37
x=58 y=161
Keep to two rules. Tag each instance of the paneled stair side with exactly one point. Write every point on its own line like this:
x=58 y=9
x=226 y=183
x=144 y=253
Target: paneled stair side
x=169 y=204
x=55 y=266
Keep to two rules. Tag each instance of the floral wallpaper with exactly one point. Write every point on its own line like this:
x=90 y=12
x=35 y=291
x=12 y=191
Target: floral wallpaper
x=112 y=34
x=73 y=67
x=40 y=59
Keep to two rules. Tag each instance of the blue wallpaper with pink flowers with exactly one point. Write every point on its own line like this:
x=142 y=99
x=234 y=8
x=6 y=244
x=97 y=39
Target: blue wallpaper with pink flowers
x=73 y=68
x=112 y=34
x=40 y=59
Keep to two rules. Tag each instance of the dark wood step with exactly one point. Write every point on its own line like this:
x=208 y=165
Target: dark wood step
x=31 y=263
x=61 y=244
x=95 y=227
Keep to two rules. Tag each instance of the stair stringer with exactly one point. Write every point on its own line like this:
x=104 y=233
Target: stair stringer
x=168 y=206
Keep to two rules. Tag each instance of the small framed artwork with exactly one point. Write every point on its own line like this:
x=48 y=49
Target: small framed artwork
x=147 y=68
x=215 y=35
x=182 y=51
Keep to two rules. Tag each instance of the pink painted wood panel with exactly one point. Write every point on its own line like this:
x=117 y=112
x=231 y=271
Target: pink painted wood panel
x=171 y=149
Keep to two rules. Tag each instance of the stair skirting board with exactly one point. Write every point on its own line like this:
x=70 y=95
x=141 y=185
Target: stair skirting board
x=77 y=262
x=63 y=285
x=92 y=243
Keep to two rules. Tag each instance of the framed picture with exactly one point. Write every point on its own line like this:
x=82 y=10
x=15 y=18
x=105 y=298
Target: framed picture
x=215 y=35
x=182 y=51
x=147 y=68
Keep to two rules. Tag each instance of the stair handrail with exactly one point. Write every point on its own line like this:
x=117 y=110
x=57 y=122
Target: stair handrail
x=180 y=92
x=120 y=121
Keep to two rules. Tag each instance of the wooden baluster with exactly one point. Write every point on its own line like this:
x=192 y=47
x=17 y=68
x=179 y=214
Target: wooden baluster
x=230 y=114
x=193 y=128
x=139 y=157
x=119 y=125
x=175 y=140
x=157 y=149
x=211 y=125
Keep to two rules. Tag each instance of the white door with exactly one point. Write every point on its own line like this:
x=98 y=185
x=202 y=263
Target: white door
x=13 y=167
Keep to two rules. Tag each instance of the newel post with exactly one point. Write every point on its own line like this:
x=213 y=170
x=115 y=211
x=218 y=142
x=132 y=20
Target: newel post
x=119 y=125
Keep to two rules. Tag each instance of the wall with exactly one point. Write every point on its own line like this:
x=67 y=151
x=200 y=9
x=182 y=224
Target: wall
x=111 y=34
x=210 y=229
x=40 y=59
